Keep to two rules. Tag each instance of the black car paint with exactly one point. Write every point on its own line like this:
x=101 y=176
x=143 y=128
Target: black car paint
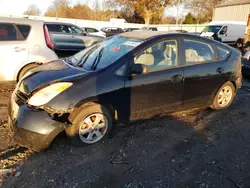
x=246 y=68
x=130 y=95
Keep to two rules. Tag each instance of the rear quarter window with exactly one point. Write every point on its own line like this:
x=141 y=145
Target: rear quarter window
x=24 y=29
x=222 y=52
x=8 y=32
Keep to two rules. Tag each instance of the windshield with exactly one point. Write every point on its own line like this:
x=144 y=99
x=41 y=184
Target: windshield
x=103 y=53
x=212 y=28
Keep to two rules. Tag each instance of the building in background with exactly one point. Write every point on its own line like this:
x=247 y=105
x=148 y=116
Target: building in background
x=235 y=10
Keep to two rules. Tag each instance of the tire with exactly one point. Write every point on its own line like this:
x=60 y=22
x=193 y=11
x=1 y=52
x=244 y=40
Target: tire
x=224 y=96
x=83 y=125
x=25 y=70
x=239 y=44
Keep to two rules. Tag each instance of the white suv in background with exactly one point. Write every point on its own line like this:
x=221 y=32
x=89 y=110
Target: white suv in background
x=24 y=44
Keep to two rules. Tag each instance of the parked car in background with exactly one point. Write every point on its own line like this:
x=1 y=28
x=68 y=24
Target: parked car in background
x=121 y=79
x=94 y=31
x=69 y=39
x=231 y=33
x=130 y=29
x=24 y=44
x=117 y=21
x=149 y=29
x=110 y=31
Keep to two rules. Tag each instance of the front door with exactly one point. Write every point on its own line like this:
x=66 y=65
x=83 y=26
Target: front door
x=160 y=89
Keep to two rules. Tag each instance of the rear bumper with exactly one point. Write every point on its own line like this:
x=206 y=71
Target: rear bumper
x=32 y=128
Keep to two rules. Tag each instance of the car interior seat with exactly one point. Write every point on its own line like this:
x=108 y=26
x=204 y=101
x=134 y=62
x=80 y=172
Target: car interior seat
x=193 y=56
x=169 y=55
x=145 y=59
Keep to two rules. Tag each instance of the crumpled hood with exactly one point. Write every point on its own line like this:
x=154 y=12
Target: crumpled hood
x=46 y=73
x=207 y=34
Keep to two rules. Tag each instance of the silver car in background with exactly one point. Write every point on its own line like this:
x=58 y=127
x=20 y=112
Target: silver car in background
x=24 y=44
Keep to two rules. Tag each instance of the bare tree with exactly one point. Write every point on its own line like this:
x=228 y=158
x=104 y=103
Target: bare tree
x=59 y=8
x=32 y=10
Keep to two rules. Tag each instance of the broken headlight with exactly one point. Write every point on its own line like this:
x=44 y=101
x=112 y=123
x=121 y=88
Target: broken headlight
x=46 y=94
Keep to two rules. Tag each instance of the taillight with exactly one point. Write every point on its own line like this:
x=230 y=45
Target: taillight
x=47 y=38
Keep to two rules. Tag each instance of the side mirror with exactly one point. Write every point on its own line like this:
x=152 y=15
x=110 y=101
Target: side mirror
x=222 y=32
x=138 y=69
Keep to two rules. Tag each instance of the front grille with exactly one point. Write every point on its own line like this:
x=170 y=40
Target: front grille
x=21 y=97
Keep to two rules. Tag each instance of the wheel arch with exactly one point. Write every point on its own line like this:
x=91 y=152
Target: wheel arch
x=92 y=101
x=221 y=86
x=23 y=67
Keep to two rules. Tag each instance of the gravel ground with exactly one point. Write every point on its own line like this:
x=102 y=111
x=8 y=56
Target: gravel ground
x=199 y=148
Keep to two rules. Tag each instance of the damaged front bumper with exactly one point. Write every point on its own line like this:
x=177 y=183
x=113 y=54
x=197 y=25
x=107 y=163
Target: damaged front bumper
x=32 y=128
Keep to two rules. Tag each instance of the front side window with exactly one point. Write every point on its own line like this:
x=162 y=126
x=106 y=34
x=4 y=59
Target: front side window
x=24 y=29
x=104 y=53
x=160 y=56
x=198 y=52
x=75 y=30
x=223 y=30
x=7 y=32
x=212 y=28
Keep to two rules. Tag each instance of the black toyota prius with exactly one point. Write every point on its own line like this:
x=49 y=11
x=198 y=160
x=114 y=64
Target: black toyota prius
x=120 y=79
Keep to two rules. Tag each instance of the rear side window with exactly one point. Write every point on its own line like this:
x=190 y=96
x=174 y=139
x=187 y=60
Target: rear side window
x=7 y=32
x=54 y=28
x=222 y=52
x=24 y=29
x=198 y=52
x=91 y=30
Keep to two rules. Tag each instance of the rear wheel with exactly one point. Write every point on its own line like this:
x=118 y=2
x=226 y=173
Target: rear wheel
x=90 y=125
x=239 y=44
x=26 y=69
x=224 y=97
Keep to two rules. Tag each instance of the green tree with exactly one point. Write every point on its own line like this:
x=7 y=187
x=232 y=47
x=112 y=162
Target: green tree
x=202 y=9
x=190 y=19
x=146 y=8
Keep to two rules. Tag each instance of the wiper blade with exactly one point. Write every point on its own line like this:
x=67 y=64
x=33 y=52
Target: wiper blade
x=97 y=59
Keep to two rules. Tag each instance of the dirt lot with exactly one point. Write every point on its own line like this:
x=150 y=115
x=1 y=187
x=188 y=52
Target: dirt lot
x=200 y=148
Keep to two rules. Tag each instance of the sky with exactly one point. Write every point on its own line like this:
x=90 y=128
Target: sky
x=17 y=7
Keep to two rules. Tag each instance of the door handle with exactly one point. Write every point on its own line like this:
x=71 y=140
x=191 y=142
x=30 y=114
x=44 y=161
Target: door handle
x=220 y=70
x=19 y=49
x=176 y=78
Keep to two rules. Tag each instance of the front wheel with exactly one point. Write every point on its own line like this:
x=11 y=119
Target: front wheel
x=224 y=97
x=90 y=125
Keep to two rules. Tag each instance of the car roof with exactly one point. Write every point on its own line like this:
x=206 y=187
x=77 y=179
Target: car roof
x=20 y=20
x=59 y=23
x=144 y=35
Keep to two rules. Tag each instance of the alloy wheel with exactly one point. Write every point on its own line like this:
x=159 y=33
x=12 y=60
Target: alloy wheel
x=93 y=128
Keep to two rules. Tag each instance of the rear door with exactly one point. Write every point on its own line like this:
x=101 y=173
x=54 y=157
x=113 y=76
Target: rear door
x=204 y=72
x=13 y=49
